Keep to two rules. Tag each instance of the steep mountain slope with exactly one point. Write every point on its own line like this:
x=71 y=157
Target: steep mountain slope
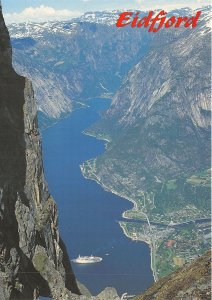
x=29 y=237
x=158 y=148
x=159 y=121
x=190 y=282
x=73 y=61
x=33 y=258
x=80 y=59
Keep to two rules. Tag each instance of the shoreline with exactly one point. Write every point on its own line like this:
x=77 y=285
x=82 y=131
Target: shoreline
x=152 y=253
x=115 y=193
x=96 y=137
x=125 y=233
x=151 y=243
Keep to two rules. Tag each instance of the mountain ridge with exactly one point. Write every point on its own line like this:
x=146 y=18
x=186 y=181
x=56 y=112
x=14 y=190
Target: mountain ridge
x=71 y=61
x=158 y=148
x=33 y=258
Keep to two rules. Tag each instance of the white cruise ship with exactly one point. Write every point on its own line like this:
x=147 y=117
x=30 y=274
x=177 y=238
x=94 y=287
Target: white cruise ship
x=87 y=259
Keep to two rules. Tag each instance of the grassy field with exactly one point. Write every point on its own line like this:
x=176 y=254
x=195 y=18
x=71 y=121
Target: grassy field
x=201 y=179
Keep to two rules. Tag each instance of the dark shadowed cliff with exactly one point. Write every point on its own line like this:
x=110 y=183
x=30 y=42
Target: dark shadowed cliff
x=33 y=259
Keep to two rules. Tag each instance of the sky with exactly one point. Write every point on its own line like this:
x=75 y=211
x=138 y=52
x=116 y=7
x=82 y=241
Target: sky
x=43 y=10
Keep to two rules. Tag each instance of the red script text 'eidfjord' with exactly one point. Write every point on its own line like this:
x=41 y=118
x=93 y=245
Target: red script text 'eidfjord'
x=157 y=22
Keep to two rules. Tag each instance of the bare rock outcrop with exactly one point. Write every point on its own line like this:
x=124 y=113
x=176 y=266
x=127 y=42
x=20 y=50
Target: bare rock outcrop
x=28 y=214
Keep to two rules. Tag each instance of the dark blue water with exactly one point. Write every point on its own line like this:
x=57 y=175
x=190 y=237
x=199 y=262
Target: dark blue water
x=88 y=215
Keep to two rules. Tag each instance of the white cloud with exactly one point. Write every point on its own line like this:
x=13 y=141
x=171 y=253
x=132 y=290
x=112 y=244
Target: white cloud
x=39 y=14
x=152 y=4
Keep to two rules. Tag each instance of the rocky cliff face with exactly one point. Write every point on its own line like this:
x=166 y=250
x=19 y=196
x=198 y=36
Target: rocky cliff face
x=190 y=282
x=159 y=124
x=75 y=60
x=33 y=258
x=165 y=101
x=69 y=61
x=158 y=154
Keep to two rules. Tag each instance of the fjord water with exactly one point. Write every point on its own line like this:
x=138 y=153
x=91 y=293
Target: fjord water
x=88 y=215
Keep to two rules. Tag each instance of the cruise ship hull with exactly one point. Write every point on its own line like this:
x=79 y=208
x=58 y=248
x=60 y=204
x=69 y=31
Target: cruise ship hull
x=87 y=260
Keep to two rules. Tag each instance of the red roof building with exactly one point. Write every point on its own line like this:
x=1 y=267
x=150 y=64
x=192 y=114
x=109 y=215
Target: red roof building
x=170 y=243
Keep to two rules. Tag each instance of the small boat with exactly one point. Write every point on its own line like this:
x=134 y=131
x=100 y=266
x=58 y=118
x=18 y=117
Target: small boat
x=87 y=259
